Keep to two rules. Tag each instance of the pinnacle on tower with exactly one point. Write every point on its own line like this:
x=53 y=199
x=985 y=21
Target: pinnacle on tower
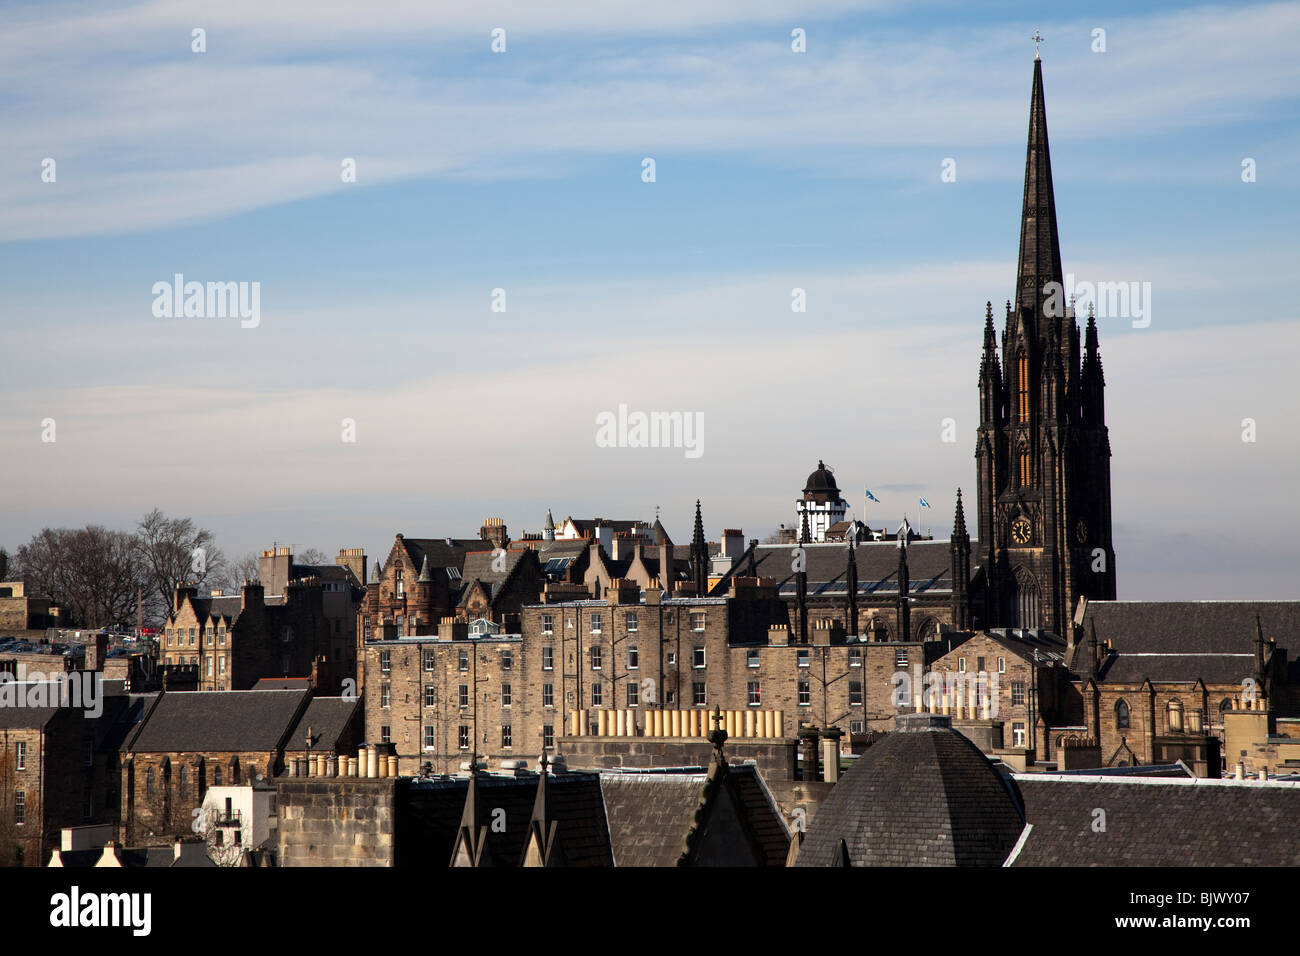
x=700 y=554
x=1040 y=247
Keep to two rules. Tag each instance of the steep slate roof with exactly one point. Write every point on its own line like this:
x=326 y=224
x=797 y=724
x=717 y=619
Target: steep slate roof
x=1186 y=640
x=25 y=718
x=923 y=795
x=761 y=813
x=282 y=683
x=652 y=815
x=1032 y=644
x=929 y=566
x=478 y=566
x=649 y=814
x=1159 y=822
x=326 y=572
x=427 y=819
x=328 y=718
x=228 y=607
x=576 y=805
x=232 y=720
x=440 y=553
x=587 y=526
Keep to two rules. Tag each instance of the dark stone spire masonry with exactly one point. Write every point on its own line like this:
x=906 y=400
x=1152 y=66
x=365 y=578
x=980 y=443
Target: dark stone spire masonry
x=904 y=589
x=700 y=554
x=960 y=557
x=801 y=582
x=1040 y=247
x=1042 y=448
x=851 y=583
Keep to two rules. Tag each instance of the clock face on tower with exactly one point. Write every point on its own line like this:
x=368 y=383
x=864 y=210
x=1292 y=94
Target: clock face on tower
x=1021 y=531
x=1081 y=531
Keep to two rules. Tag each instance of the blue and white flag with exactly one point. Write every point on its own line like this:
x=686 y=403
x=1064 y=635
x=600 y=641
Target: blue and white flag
x=870 y=496
x=924 y=503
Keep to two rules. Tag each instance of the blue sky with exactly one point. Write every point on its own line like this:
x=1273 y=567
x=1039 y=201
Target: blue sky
x=522 y=171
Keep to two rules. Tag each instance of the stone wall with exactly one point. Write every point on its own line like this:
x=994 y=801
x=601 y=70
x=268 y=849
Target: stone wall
x=333 y=821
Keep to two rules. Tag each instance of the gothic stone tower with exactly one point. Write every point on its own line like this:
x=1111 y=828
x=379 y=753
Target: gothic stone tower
x=1042 y=451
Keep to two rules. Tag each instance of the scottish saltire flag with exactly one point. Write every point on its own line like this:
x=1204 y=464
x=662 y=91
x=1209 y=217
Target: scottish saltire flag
x=870 y=496
x=924 y=503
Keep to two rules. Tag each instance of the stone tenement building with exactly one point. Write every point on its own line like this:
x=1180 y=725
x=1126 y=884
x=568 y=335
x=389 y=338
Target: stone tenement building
x=584 y=666
x=24 y=614
x=58 y=768
x=236 y=640
x=342 y=593
x=187 y=742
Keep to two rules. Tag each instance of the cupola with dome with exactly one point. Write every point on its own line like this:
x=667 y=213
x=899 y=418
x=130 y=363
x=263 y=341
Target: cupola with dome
x=821 y=503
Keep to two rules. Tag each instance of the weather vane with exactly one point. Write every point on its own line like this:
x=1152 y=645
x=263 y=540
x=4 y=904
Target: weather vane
x=1037 y=40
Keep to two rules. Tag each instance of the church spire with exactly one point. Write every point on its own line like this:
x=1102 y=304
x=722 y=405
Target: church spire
x=700 y=555
x=1040 y=247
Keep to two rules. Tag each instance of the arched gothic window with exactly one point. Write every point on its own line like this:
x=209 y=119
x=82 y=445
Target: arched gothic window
x=1121 y=715
x=1022 y=386
x=1027 y=599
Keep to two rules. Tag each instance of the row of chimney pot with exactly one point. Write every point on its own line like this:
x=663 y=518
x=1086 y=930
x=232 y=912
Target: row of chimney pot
x=368 y=762
x=675 y=723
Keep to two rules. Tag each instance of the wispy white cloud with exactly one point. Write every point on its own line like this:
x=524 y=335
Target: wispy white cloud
x=148 y=133
x=868 y=395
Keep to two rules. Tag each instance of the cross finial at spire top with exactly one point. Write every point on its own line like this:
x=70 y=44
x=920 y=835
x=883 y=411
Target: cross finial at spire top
x=1037 y=40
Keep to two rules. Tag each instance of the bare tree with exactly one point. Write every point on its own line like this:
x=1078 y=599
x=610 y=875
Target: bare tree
x=175 y=551
x=240 y=570
x=313 y=556
x=93 y=572
x=4 y=565
x=221 y=846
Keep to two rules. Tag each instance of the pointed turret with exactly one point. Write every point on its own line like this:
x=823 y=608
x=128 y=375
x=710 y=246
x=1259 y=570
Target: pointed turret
x=851 y=582
x=960 y=566
x=700 y=554
x=801 y=582
x=548 y=529
x=989 y=366
x=1040 y=247
x=1092 y=378
x=904 y=587
x=1260 y=672
x=425 y=576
